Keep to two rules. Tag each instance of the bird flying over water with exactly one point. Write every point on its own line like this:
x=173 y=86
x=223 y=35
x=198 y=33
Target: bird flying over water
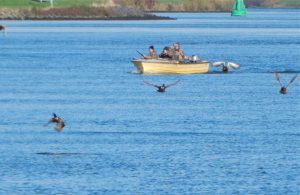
x=283 y=89
x=162 y=88
x=2 y=28
x=225 y=67
x=60 y=124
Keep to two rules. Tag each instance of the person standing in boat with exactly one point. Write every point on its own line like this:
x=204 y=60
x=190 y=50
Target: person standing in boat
x=152 y=53
x=178 y=53
x=165 y=54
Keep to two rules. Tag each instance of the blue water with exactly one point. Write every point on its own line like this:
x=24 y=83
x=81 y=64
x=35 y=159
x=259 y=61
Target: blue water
x=211 y=134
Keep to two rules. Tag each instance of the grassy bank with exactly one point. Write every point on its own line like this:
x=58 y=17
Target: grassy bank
x=44 y=3
x=119 y=9
x=204 y=5
x=159 y=5
x=219 y=5
x=272 y=3
x=71 y=10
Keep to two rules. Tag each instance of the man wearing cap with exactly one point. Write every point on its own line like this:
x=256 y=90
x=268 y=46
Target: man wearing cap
x=178 y=53
x=152 y=54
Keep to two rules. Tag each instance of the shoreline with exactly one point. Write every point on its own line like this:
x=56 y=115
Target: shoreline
x=188 y=11
x=90 y=18
x=221 y=11
x=99 y=13
x=79 y=13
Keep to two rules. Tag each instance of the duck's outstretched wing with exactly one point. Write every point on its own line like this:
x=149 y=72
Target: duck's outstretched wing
x=233 y=65
x=49 y=122
x=216 y=64
x=172 y=84
x=147 y=83
x=54 y=115
x=277 y=78
x=292 y=80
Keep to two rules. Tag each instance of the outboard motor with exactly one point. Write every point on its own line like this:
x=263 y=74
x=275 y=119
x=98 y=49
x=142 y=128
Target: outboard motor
x=194 y=59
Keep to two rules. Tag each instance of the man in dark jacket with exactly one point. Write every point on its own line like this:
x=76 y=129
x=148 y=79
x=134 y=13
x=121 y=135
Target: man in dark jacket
x=165 y=54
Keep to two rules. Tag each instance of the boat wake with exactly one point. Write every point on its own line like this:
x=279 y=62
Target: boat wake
x=65 y=153
x=287 y=72
x=57 y=153
x=133 y=72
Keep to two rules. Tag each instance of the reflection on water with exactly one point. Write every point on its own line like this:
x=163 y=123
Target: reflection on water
x=213 y=133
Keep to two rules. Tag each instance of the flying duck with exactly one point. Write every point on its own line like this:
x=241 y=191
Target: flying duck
x=2 y=28
x=283 y=89
x=60 y=124
x=225 y=67
x=162 y=88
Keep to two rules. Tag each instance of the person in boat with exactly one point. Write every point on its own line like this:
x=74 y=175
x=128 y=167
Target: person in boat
x=152 y=53
x=165 y=54
x=178 y=53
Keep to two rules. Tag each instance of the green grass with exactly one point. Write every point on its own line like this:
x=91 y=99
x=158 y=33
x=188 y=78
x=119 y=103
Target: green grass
x=19 y=3
x=57 y=3
x=70 y=3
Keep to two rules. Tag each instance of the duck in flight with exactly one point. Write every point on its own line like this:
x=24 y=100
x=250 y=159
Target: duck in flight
x=283 y=89
x=2 y=28
x=60 y=124
x=225 y=67
x=162 y=88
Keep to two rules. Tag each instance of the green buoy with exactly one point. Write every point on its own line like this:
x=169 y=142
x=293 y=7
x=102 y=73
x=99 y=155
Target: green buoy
x=239 y=8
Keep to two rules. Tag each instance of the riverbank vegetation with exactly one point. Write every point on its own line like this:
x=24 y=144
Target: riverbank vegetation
x=71 y=9
x=46 y=3
x=119 y=9
x=209 y=5
x=159 y=5
x=273 y=3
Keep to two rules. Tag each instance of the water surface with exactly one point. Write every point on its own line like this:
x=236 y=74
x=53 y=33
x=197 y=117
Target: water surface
x=213 y=133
